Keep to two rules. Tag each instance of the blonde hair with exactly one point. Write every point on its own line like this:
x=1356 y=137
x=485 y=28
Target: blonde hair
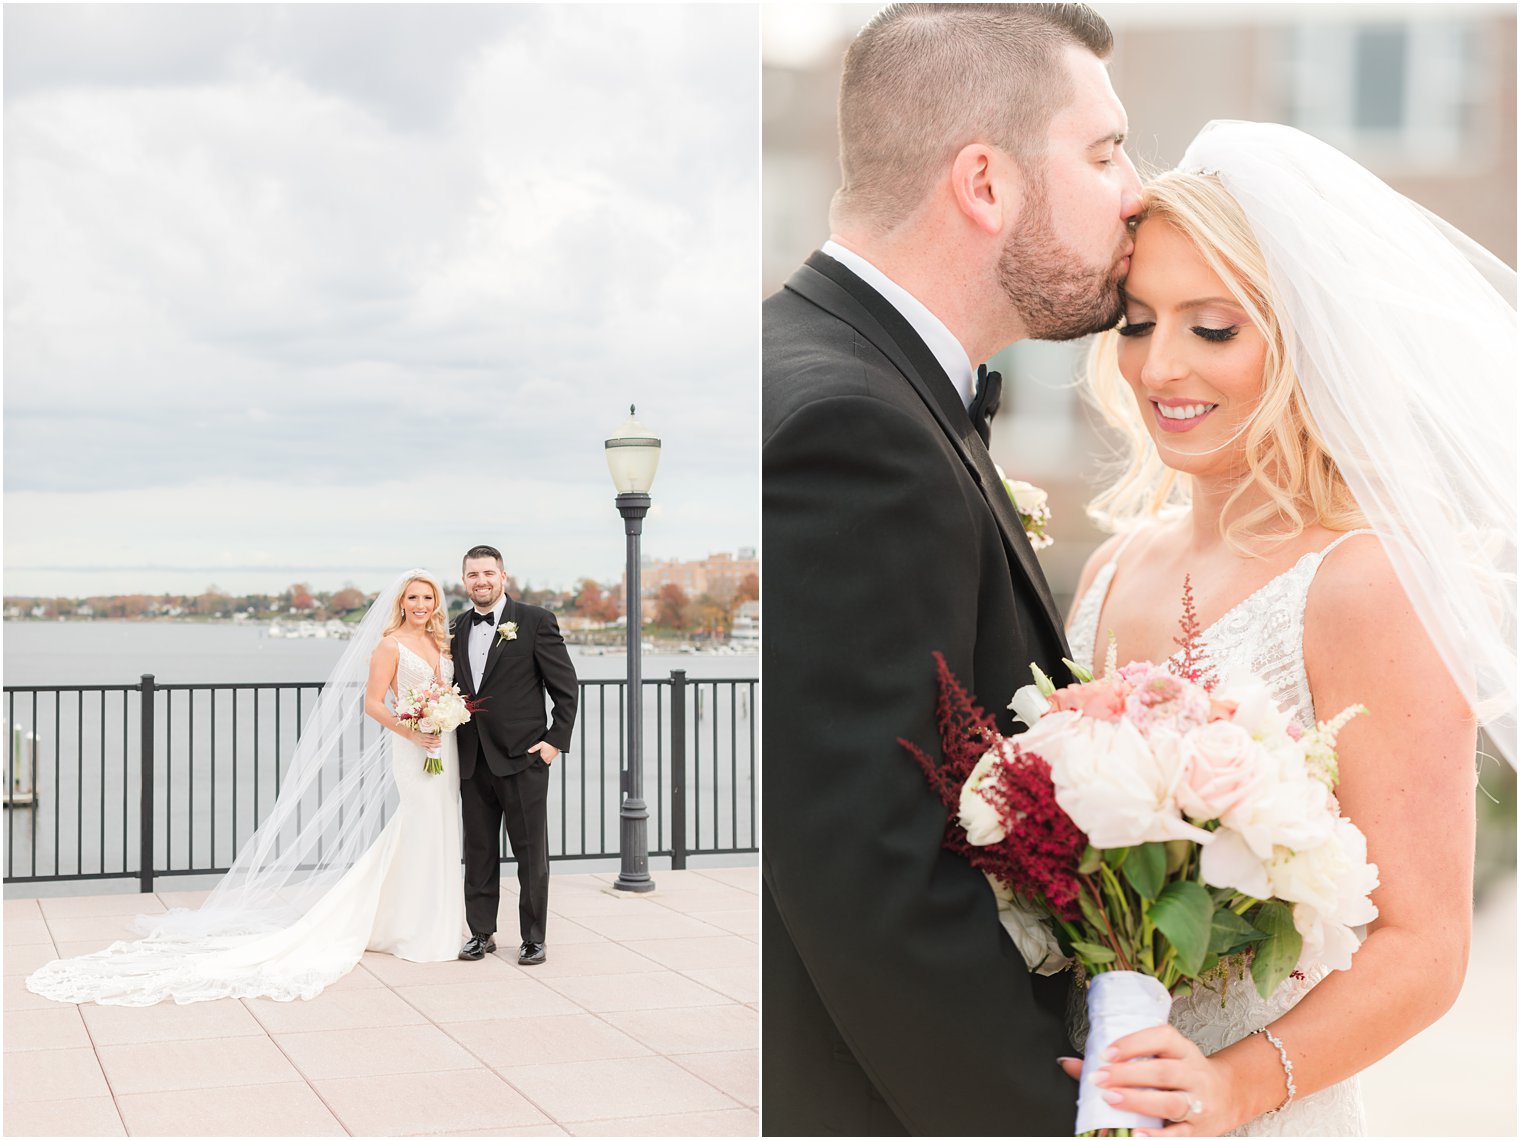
x=437 y=626
x=1283 y=455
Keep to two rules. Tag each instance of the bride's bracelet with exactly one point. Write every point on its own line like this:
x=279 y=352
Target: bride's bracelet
x=1282 y=1054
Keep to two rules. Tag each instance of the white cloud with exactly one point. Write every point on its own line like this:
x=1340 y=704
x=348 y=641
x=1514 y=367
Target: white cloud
x=301 y=256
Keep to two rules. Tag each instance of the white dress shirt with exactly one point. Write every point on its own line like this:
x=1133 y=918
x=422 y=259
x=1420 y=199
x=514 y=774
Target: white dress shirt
x=481 y=636
x=940 y=340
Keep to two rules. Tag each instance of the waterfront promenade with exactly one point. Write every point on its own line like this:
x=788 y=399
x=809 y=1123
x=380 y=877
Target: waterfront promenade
x=644 y=1021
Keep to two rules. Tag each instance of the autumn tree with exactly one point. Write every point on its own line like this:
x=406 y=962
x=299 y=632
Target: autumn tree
x=672 y=608
x=347 y=600
x=596 y=603
x=748 y=590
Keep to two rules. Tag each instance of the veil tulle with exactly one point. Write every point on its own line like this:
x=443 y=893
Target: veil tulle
x=335 y=796
x=1402 y=331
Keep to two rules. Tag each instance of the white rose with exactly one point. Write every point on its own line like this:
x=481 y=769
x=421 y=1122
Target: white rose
x=1256 y=710
x=1109 y=781
x=980 y=819
x=1026 y=496
x=1333 y=878
x=1029 y=704
x=1286 y=808
x=1030 y=932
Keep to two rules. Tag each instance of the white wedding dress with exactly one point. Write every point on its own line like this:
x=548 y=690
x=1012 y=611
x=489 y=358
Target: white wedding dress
x=1264 y=636
x=404 y=896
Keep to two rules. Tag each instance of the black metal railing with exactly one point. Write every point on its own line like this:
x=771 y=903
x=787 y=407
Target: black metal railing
x=152 y=780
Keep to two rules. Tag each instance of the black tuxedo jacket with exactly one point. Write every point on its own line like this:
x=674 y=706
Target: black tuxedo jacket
x=893 y=1000
x=517 y=674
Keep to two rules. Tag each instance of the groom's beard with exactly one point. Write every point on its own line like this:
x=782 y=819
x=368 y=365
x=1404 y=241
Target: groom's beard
x=1056 y=296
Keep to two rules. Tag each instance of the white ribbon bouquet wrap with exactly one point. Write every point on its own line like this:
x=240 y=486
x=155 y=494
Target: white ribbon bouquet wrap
x=1119 y=1002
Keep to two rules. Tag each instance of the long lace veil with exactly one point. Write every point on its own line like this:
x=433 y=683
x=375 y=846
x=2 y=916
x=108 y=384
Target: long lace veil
x=335 y=796
x=1403 y=333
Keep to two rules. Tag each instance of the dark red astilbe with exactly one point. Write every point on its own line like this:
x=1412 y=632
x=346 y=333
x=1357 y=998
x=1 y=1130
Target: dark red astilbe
x=1195 y=665
x=1039 y=857
x=1040 y=853
x=965 y=731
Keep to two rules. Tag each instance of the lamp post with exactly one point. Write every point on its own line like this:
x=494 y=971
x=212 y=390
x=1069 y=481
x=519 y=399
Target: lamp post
x=632 y=456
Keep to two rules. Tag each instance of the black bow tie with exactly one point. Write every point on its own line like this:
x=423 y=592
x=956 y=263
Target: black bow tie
x=989 y=393
x=488 y=618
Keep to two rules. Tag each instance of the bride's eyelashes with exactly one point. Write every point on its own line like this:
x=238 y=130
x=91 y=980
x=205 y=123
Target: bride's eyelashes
x=1216 y=336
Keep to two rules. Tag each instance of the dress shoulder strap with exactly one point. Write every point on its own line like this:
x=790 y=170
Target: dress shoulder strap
x=1349 y=534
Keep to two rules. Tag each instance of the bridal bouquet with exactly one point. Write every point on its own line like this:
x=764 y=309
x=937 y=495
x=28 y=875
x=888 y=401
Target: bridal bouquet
x=435 y=708
x=1149 y=825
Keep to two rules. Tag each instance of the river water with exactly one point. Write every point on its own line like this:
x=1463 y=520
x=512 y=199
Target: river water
x=218 y=755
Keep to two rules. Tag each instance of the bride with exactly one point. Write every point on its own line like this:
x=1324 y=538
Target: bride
x=1315 y=378
x=361 y=850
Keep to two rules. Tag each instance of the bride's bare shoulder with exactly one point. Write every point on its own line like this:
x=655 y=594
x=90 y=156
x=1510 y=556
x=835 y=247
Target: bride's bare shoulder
x=1358 y=617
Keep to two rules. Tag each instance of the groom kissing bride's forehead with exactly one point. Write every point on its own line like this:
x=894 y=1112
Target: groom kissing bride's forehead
x=985 y=199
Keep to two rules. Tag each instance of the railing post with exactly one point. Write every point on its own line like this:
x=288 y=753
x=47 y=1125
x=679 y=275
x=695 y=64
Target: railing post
x=145 y=810
x=678 y=769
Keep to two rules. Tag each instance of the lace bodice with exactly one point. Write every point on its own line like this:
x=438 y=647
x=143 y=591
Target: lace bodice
x=413 y=670
x=1262 y=635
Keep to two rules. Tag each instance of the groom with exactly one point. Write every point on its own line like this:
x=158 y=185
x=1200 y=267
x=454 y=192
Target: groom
x=984 y=200
x=509 y=655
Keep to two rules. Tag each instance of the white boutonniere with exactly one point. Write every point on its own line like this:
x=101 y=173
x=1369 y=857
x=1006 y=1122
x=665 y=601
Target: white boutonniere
x=507 y=632
x=1032 y=504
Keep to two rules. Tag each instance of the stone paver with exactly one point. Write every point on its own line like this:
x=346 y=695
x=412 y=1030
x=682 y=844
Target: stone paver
x=485 y=1048
x=87 y=1116
x=628 y=1087
x=252 y=1110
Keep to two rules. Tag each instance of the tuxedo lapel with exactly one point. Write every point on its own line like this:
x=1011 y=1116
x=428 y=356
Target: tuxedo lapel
x=832 y=287
x=508 y=613
x=461 y=650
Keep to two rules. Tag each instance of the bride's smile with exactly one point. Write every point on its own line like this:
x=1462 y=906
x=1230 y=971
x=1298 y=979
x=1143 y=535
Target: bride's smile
x=1189 y=352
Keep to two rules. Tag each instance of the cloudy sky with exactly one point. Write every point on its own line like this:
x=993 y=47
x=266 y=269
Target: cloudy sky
x=316 y=293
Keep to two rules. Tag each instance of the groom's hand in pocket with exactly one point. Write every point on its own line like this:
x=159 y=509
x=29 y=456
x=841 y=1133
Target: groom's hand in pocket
x=545 y=751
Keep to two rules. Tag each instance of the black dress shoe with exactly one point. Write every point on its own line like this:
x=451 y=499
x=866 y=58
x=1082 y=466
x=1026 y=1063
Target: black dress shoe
x=531 y=954
x=477 y=948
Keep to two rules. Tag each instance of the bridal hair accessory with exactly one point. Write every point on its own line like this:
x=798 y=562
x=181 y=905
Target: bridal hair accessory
x=1287 y=1065
x=507 y=632
x=1384 y=307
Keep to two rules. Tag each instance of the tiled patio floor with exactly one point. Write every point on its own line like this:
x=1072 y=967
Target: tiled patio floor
x=644 y=1021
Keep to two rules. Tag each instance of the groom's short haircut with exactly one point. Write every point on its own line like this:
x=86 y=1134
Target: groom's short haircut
x=482 y=552
x=921 y=81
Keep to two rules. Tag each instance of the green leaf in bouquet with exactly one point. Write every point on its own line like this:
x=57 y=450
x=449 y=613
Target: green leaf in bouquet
x=1184 y=913
x=1091 y=913
x=1277 y=954
x=1231 y=933
x=1081 y=672
x=1090 y=860
x=1093 y=954
x=1115 y=856
x=1145 y=869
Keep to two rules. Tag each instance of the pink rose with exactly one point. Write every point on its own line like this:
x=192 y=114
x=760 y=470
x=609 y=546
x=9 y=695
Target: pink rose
x=1223 y=766
x=1101 y=699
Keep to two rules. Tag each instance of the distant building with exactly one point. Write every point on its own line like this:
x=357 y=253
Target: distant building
x=717 y=575
x=746 y=623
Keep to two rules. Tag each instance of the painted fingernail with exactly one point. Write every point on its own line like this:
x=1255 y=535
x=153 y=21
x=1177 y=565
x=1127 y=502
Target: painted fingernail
x=1100 y=1077
x=1113 y=1096
x=1111 y=1053
x=1067 y=1060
